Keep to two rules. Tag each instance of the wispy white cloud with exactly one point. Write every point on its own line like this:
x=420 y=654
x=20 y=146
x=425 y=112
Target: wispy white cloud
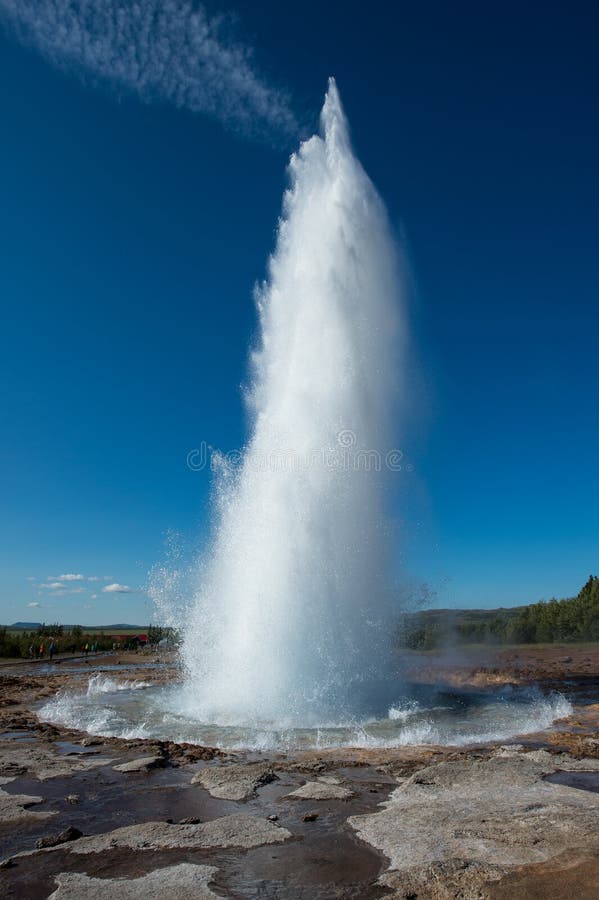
x=56 y=582
x=94 y=597
x=117 y=589
x=170 y=50
x=30 y=578
x=61 y=588
x=34 y=604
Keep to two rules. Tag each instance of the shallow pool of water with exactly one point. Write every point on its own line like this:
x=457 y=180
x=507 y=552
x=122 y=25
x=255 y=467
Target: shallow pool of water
x=419 y=714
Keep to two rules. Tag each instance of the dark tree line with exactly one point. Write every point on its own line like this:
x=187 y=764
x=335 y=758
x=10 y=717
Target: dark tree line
x=25 y=643
x=571 y=619
x=16 y=643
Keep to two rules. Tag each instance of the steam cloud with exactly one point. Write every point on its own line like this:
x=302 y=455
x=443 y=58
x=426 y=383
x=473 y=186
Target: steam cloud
x=169 y=50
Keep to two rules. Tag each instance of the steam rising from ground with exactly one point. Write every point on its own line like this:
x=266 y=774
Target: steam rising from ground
x=291 y=615
x=168 y=50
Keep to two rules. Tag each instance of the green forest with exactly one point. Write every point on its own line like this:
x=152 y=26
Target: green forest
x=571 y=619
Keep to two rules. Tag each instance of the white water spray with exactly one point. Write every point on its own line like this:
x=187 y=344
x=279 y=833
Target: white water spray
x=288 y=642
x=291 y=620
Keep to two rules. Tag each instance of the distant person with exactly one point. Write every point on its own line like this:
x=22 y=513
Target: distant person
x=51 y=650
x=42 y=651
x=86 y=649
x=31 y=651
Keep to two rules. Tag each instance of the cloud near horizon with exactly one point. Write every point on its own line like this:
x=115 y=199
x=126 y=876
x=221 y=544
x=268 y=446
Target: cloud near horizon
x=117 y=589
x=54 y=582
x=171 y=51
x=62 y=591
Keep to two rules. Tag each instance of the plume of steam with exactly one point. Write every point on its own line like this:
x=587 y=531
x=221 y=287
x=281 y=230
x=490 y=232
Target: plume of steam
x=169 y=50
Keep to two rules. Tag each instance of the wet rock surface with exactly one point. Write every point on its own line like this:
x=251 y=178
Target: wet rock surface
x=143 y=764
x=489 y=813
x=63 y=837
x=185 y=882
x=518 y=820
x=44 y=762
x=240 y=831
x=234 y=782
x=316 y=860
x=321 y=790
x=15 y=808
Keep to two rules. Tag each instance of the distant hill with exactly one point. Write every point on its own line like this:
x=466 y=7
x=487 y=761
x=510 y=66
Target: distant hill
x=25 y=626
x=571 y=619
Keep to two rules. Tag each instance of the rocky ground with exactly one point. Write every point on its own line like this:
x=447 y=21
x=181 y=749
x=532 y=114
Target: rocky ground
x=86 y=817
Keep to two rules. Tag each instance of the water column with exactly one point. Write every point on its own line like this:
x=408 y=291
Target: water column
x=290 y=620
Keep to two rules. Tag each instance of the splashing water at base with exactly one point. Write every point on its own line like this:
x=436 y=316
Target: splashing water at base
x=102 y=684
x=423 y=716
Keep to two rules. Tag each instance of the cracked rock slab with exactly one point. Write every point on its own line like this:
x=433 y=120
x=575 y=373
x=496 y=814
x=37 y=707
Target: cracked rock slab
x=551 y=762
x=444 y=881
x=241 y=831
x=236 y=782
x=43 y=763
x=497 y=813
x=318 y=790
x=183 y=882
x=13 y=808
x=143 y=764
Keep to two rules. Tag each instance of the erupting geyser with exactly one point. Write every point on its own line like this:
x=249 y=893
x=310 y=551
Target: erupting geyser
x=290 y=621
x=288 y=642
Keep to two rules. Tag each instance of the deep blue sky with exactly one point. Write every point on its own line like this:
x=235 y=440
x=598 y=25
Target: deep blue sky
x=131 y=236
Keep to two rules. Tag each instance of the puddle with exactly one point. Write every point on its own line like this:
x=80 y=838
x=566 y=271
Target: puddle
x=71 y=749
x=584 y=781
x=21 y=737
x=324 y=860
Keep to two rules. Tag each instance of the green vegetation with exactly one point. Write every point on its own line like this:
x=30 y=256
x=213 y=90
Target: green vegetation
x=553 y=621
x=28 y=644
x=21 y=643
x=157 y=634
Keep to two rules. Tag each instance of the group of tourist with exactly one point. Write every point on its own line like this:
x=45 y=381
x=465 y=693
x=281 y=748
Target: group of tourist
x=40 y=652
